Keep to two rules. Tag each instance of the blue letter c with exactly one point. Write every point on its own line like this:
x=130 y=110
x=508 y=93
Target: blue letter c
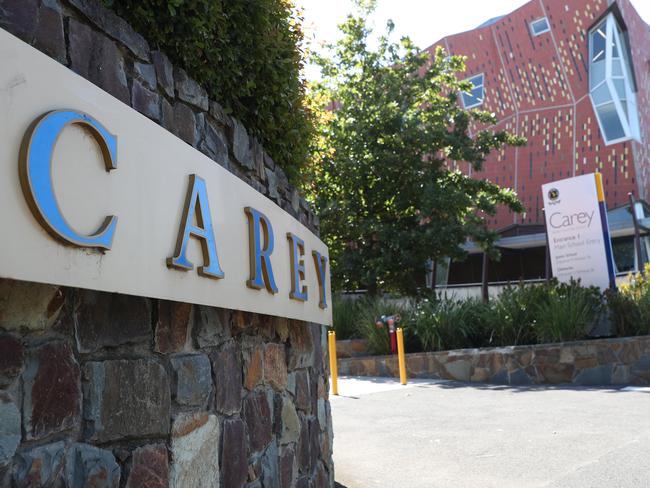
x=36 y=175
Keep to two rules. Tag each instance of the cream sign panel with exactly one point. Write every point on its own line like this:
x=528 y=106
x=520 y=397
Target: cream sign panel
x=95 y=195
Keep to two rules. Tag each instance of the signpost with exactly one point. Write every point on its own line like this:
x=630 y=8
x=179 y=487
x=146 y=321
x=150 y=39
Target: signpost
x=577 y=230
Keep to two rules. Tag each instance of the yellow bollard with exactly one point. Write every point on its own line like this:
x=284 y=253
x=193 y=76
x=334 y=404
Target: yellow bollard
x=400 y=356
x=331 y=340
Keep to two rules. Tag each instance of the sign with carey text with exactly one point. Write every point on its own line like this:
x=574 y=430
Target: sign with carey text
x=97 y=196
x=577 y=231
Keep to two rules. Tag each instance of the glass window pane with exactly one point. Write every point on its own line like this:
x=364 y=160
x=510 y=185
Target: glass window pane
x=610 y=122
x=598 y=43
x=619 y=84
x=475 y=97
x=617 y=69
x=601 y=95
x=597 y=73
x=540 y=26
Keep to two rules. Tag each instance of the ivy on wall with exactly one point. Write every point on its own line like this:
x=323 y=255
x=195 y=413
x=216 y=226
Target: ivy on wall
x=247 y=55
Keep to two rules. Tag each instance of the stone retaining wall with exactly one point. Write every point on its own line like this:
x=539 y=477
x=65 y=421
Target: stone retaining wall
x=102 y=389
x=624 y=361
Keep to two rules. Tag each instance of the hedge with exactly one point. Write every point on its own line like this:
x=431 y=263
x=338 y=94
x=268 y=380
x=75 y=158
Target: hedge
x=247 y=55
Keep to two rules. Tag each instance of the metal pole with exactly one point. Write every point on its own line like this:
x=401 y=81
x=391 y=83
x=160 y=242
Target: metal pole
x=400 y=356
x=331 y=340
x=637 y=233
x=484 y=281
x=547 y=262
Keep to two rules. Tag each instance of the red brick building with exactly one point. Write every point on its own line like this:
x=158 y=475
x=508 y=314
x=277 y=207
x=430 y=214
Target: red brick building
x=532 y=69
x=572 y=76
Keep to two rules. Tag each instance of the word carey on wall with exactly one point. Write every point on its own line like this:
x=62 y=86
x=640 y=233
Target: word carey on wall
x=161 y=219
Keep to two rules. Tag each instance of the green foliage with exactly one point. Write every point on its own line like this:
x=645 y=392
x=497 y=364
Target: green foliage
x=388 y=121
x=515 y=314
x=345 y=313
x=451 y=324
x=566 y=312
x=630 y=306
x=246 y=53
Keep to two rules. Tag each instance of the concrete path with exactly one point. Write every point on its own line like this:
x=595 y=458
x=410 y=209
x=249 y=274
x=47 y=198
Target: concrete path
x=445 y=434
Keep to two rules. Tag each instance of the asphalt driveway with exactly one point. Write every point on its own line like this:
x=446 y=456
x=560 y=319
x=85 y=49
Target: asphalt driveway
x=446 y=434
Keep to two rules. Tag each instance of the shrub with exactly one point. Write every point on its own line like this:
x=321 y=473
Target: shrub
x=246 y=53
x=344 y=317
x=451 y=324
x=630 y=306
x=565 y=312
x=515 y=314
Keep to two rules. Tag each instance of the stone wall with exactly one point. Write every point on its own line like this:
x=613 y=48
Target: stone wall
x=101 y=389
x=129 y=391
x=624 y=361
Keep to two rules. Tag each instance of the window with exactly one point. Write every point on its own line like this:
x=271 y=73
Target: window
x=474 y=98
x=540 y=26
x=611 y=84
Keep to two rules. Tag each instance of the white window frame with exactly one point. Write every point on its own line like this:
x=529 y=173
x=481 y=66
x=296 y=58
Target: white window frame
x=481 y=86
x=537 y=21
x=629 y=119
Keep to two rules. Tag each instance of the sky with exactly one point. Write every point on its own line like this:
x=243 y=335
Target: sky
x=424 y=21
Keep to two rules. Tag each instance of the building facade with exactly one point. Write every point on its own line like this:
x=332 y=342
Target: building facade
x=572 y=78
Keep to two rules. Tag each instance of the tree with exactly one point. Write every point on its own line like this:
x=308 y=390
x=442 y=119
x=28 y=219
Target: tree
x=388 y=122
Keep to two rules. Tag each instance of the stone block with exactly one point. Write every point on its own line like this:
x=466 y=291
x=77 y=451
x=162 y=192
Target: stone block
x=185 y=124
x=272 y=184
x=9 y=428
x=234 y=459
x=52 y=392
x=97 y=58
x=49 y=36
x=259 y=420
x=554 y=373
x=215 y=144
x=195 y=451
x=211 y=326
x=114 y=26
x=42 y=466
x=241 y=145
x=146 y=72
x=149 y=467
x=597 y=375
x=254 y=367
x=113 y=412
x=301 y=350
x=192 y=379
x=172 y=326
x=19 y=19
x=220 y=115
x=640 y=371
x=303 y=390
x=12 y=358
x=70 y=465
x=270 y=471
x=287 y=471
x=303 y=455
x=275 y=366
x=145 y=101
x=88 y=466
x=519 y=377
x=29 y=306
x=321 y=478
x=164 y=72
x=227 y=372
x=459 y=370
x=167 y=113
x=290 y=422
x=190 y=91
x=110 y=319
